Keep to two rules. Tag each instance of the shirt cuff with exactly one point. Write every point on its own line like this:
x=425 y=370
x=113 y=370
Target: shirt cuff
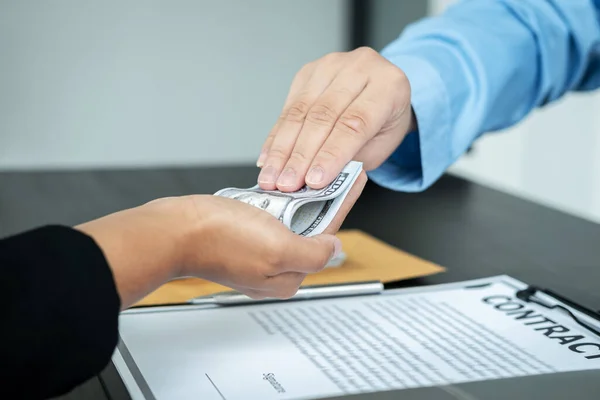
x=425 y=154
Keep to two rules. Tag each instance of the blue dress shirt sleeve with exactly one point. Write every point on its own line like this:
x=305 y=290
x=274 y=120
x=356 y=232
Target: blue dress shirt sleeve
x=482 y=66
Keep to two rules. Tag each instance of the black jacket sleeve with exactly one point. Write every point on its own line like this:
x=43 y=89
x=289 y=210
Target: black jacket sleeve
x=59 y=309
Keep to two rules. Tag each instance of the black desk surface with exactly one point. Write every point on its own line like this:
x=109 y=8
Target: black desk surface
x=471 y=230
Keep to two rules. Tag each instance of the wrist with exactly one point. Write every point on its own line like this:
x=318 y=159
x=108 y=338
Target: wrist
x=142 y=245
x=169 y=222
x=194 y=255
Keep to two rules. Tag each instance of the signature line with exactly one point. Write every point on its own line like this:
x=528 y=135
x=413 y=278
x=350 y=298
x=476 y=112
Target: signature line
x=215 y=386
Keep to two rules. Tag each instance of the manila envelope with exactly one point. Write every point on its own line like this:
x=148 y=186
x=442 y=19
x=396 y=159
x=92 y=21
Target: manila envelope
x=367 y=259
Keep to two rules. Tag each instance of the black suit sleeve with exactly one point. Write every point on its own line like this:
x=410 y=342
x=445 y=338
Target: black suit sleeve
x=60 y=309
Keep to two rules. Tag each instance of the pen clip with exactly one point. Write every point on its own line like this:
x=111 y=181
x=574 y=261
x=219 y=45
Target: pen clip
x=307 y=292
x=316 y=286
x=342 y=284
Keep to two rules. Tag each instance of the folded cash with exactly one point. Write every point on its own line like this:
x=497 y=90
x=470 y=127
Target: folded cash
x=307 y=211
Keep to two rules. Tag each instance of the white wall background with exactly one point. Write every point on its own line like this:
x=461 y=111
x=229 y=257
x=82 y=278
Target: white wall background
x=553 y=157
x=151 y=82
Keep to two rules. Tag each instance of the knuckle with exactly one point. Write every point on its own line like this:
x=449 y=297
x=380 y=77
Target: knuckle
x=306 y=68
x=281 y=119
x=299 y=156
x=269 y=138
x=267 y=144
x=331 y=57
x=399 y=81
x=398 y=77
x=366 y=51
x=277 y=153
x=345 y=91
x=328 y=153
x=322 y=114
x=297 y=111
x=354 y=123
x=274 y=258
x=401 y=90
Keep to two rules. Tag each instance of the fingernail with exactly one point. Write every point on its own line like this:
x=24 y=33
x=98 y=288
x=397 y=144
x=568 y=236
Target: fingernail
x=267 y=175
x=315 y=176
x=337 y=248
x=288 y=178
x=261 y=159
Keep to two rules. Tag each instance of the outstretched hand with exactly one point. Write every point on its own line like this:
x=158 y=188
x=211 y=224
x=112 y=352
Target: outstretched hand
x=342 y=107
x=215 y=238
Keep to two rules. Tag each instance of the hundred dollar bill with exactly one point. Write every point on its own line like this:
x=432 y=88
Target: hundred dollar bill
x=307 y=211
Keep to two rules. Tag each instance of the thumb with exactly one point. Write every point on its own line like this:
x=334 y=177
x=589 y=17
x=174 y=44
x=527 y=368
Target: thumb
x=311 y=254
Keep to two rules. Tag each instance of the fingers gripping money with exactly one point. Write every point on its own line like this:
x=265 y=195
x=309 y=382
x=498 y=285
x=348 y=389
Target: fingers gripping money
x=271 y=203
x=307 y=212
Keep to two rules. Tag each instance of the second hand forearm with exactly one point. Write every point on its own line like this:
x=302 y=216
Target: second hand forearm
x=140 y=245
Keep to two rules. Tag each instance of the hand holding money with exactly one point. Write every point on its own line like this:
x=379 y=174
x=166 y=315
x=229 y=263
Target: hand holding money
x=306 y=212
x=245 y=248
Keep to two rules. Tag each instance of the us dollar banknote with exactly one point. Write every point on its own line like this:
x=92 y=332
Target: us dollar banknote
x=307 y=211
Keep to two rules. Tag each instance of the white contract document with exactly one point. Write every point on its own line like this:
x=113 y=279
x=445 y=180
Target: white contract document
x=404 y=338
